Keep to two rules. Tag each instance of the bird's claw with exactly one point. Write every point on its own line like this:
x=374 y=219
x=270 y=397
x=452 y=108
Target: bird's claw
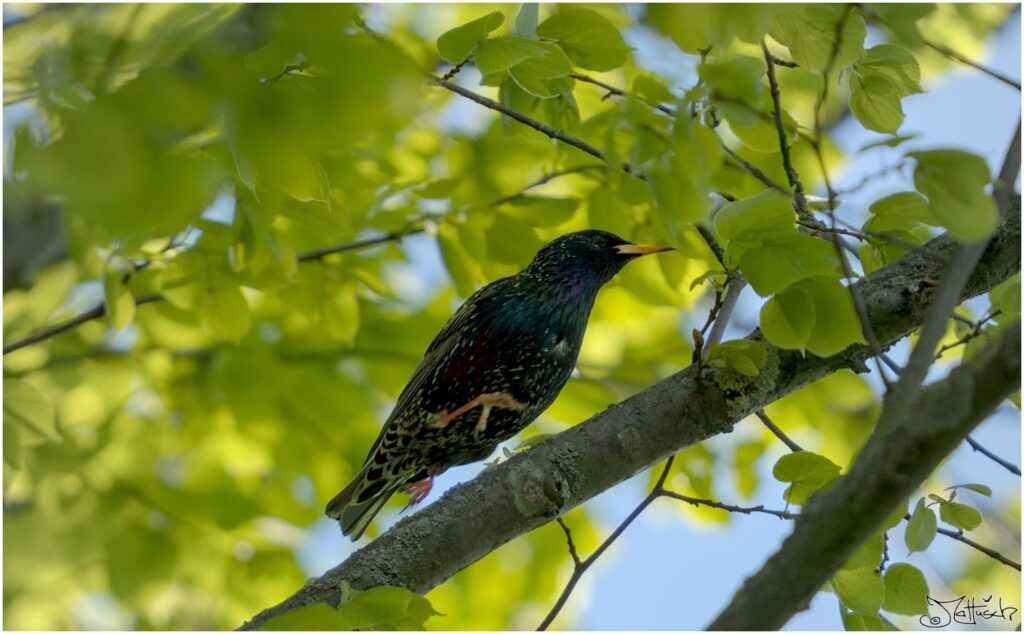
x=418 y=491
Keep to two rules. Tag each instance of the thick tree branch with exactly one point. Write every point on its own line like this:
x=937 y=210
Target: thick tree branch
x=472 y=519
x=895 y=461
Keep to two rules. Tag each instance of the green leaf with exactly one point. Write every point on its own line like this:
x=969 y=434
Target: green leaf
x=739 y=78
x=502 y=53
x=954 y=182
x=895 y=517
x=182 y=281
x=861 y=590
x=757 y=218
x=787 y=320
x=910 y=206
x=893 y=141
x=743 y=356
x=512 y=240
x=438 y=188
x=308 y=618
x=652 y=88
x=118 y=300
x=875 y=101
x=836 y=324
x=463 y=267
x=894 y=63
x=960 y=515
x=878 y=82
x=708 y=275
x=1006 y=298
x=387 y=608
x=810 y=33
x=868 y=555
x=456 y=45
x=983 y=489
x=28 y=406
x=921 y=528
x=696 y=26
x=773 y=267
x=589 y=39
x=856 y=622
x=542 y=211
x=341 y=314
x=806 y=471
x=12 y=444
x=530 y=63
x=226 y=312
x=526 y=21
x=906 y=590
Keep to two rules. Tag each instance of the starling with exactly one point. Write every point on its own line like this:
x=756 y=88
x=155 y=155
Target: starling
x=498 y=363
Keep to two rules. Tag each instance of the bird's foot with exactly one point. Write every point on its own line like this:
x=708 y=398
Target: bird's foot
x=418 y=491
x=489 y=400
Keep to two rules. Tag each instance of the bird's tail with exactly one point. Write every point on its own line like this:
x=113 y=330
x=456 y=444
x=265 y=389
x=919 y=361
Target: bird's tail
x=358 y=503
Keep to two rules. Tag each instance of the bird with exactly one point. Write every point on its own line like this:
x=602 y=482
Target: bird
x=497 y=364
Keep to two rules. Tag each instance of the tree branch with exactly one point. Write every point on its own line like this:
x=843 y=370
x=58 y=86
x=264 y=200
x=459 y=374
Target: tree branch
x=950 y=53
x=895 y=461
x=772 y=427
x=543 y=128
x=101 y=310
x=612 y=90
x=1006 y=464
x=539 y=484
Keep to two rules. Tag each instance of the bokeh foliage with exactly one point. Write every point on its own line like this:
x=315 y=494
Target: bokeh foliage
x=163 y=462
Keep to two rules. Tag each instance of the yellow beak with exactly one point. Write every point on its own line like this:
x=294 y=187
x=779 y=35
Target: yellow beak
x=641 y=249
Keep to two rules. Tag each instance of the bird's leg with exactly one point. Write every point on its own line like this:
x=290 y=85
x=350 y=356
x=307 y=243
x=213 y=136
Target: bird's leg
x=489 y=400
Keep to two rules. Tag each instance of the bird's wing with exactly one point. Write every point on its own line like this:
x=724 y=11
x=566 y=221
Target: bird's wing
x=474 y=313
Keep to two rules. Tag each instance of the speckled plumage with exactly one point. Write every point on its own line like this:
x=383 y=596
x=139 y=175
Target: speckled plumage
x=517 y=337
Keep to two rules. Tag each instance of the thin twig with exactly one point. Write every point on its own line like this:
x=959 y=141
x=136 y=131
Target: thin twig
x=975 y=332
x=1006 y=464
x=746 y=510
x=74 y=322
x=618 y=92
x=547 y=178
x=581 y=568
x=959 y=536
x=570 y=543
x=755 y=171
x=454 y=70
x=543 y=128
x=948 y=52
x=787 y=161
x=870 y=178
x=770 y=424
x=99 y=311
x=393 y=236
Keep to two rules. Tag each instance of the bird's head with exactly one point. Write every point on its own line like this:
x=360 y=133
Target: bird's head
x=588 y=258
